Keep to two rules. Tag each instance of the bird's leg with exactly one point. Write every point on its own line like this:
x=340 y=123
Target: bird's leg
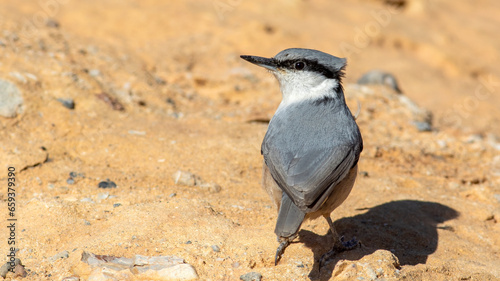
x=284 y=242
x=338 y=243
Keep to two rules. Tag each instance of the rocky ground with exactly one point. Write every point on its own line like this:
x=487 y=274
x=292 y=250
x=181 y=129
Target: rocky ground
x=134 y=129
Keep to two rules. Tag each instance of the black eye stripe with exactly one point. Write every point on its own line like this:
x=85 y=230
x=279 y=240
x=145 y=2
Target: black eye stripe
x=312 y=65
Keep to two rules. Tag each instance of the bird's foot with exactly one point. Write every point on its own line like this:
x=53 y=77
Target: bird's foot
x=349 y=245
x=280 y=251
x=284 y=242
x=340 y=246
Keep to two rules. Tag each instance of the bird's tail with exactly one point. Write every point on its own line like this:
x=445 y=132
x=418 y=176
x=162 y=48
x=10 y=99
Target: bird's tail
x=290 y=218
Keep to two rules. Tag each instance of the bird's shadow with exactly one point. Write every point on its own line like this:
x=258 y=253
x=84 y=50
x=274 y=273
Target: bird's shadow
x=407 y=228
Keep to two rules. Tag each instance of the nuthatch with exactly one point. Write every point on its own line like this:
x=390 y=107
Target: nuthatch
x=312 y=145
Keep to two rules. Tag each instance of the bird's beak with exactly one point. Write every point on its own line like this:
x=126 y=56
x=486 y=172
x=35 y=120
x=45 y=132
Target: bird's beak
x=260 y=61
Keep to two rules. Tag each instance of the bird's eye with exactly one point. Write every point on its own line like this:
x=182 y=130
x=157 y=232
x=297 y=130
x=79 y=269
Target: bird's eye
x=299 y=65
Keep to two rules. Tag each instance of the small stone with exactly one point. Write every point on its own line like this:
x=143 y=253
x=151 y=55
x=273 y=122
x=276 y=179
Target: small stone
x=172 y=195
x=184 y=178
x=99 y=260
x=117 y=205
x=381 y=261
x=442 y=143
x=5 y=267
x=31 y=76
x=188 y=242
x=18 y=76
x=215 y=248
x=251 y=276
x=11 y=101
x=86 y=222
x=113 y=102
x=94 y=72
x=106 y=184
x=19 y=271
x=105 y=273
x=423 y=126
x=379 y=77
x=181 y=271
x=103 y=184
x=210 y=187
x=76 y=175
x=190 y=179
x=364 y=174
x=139 y=268
x=70 y=181
x=62 y=255
x=71 y=278
x=138 y=133
x=421 y=117
x=87 y=200
x=102 y=196
x=68 y=103
x=171 y=102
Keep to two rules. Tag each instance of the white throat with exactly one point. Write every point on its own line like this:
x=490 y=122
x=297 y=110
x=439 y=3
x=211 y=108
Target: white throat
x=306 y=87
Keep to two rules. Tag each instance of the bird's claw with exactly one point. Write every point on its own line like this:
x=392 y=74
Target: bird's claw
x=280 y=251
x=339 y=247
x=349 y=245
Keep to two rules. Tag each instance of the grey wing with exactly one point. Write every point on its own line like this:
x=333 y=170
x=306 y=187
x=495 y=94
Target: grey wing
x=308 y=176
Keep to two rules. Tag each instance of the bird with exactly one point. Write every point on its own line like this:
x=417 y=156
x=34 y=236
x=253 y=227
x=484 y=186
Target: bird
x=312 y=144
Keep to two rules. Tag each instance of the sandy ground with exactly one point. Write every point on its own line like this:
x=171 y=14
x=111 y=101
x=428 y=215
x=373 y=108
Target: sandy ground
x=426 y=205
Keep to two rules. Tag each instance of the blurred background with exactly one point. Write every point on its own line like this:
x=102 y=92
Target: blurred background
x=135 y=129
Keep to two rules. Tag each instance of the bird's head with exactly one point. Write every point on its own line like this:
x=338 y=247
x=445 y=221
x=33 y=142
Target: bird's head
x=304 y=73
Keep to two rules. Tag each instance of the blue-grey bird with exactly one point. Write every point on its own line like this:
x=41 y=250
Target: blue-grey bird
x=312 y=145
